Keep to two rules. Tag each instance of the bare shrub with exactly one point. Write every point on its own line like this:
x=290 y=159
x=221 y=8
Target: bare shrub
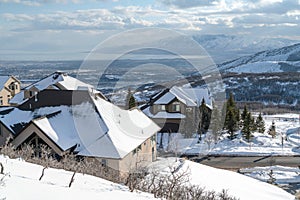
x=172 y=186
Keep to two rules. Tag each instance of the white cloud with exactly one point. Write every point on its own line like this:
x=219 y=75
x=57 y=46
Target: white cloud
x=39 y=2
x=28 y=3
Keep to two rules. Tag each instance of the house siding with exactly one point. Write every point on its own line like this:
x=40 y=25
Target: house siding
x=132 y=161
x=4 y=134
x=6 y=93
x=32 y=129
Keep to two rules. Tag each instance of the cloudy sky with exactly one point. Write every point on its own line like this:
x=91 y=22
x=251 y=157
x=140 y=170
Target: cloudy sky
x=68 y=29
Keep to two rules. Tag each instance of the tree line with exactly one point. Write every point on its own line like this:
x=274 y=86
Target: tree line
x=245 y=122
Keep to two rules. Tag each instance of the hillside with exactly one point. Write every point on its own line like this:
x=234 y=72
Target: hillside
x=21 y=181
x=227 y=47
x=285 y=59
x=54 y=185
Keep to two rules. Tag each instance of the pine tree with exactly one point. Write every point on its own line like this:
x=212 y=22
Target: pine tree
x=247 y=127
x=260 y=124
x=231 y=122
x=231 y=118
x=244 y=113
x=204 y=119
x=253 y=126
x=237 y=116
x=130 y=100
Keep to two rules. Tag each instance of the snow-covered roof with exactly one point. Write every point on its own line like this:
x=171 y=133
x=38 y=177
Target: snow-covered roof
x=3 y=80
x=165 y=99
x=98 y=129
x=56 y=80
x=187 y=95
x=163 y=114
x=68 y=127
x=126 y=131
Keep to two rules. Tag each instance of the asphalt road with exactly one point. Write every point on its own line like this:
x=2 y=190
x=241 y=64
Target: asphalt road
x=237 y=162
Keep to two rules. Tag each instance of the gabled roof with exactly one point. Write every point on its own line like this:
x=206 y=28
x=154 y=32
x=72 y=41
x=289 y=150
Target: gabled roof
x=127 y=129
x=97 y=128
x=57 y=80
x=186 y=95
x=4 y=79
x=77 y=126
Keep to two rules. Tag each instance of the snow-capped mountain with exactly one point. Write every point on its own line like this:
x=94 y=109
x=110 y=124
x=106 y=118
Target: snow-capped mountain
x=227 y=47
x=285 y=59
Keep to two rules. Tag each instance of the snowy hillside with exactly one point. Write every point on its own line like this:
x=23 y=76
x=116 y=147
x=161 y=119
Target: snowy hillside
x=21 y=182
x=24 y=177
x=227 y=47
x=285 y=59
x=237 y=185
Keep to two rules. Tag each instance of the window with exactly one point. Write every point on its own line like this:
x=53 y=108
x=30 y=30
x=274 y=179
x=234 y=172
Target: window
x=153 y=138
x=103 y=162
x=161 y=107
x=1 y=102
x=176 y=107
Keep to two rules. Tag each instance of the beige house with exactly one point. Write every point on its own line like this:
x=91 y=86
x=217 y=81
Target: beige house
x=9 y=87
x=92 y=127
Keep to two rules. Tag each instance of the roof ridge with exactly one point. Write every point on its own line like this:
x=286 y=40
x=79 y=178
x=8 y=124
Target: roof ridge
x=54 y=73
x=183 y=93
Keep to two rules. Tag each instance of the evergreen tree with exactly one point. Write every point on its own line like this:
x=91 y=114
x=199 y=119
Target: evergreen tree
x=237 y=116
x=260 y=124
x=253 y=127
x=247 y=127
x=130 y=100
x=204 y=119
x=244 y=113
x=231 y=122
x=231 y=118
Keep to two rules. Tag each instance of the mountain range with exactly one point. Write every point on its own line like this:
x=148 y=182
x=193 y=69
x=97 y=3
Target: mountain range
x=285 y=59
x=224 y=48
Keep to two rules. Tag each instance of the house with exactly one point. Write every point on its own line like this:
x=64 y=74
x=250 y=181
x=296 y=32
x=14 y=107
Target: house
x=55 y=81
x=90 y=127
x=9 y=87
x=177 y=109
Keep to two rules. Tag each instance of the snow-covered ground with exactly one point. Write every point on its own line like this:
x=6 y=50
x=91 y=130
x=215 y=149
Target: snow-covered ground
x=21 y=181
x=237 y=185
x=286 y=177
x=281 y=174
x=287 y=141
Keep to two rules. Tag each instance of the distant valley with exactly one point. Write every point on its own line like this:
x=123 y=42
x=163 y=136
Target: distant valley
x=268 y=78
